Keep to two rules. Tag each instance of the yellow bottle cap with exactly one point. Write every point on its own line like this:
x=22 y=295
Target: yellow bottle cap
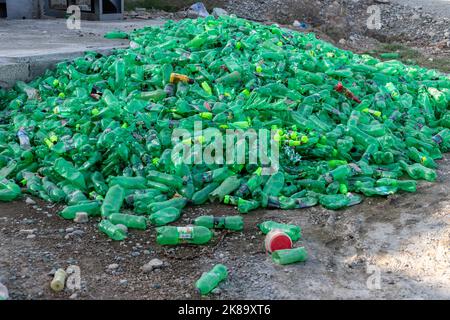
x=206 y=115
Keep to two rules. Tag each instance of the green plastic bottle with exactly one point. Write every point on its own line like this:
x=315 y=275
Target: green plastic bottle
x=229 y=185
x=73 y=194
x=169 y=235
x=129 y=220
x=421 y=158
x=378 y=191
x=418 y=172
x=293 y=231
x=244 y=206
x=234 y=223
x=113 y=200
x=55 y=194
x=164 y=178
x=8 y=190
x=111 y=230
x=91 y=207
x=339 y=201
x=289 y=256
x=178 y=203
x=404 y=185
x=211 y=279
x=66 y=170
x=202 y=195
x=251 y=185
x=272 y=187
x=164 y=216
x=128 y=182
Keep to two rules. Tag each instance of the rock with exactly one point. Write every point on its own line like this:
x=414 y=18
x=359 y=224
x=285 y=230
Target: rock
x=52 y=272
x=153 y=264
x=70 y=229
x=30 y=201
x=187 y=296
x=27 y=231
x=216 y=291
x=74 y=296
x=112 y=266
x=81 y=217
x=382 y=1
x=217 y=12
x=4 y=295
x=198 y=9
x=31 y=236
x=123 y=282
x=78 y=233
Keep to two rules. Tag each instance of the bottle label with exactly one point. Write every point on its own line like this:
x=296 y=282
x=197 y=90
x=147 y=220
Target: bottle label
x=438 y=139
x=185 y=233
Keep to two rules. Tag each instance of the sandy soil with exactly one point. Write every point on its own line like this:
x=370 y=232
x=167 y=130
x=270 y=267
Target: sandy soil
x=402 y=240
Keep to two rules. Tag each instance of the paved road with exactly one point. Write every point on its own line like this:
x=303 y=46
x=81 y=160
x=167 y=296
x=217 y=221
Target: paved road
x=438 y=7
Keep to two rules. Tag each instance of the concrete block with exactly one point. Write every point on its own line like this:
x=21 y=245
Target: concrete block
x=11 y=71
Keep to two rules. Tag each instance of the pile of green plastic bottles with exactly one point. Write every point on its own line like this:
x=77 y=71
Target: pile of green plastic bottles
x=96 y=132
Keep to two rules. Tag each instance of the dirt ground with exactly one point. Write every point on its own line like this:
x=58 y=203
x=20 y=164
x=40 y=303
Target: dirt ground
x=402 y=240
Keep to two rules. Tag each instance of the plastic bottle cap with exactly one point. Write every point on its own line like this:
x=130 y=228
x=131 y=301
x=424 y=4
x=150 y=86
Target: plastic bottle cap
x=277 y=240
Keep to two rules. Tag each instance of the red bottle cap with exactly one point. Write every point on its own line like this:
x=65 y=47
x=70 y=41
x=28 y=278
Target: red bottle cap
x=339 y=87
x=277 y=240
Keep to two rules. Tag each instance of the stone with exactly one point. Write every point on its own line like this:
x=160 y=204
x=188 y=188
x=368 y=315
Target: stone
x=81 y=217
x=152 y=265
x=30 y=201
x=27 y=231
x=123 y=282
x=216 y=291
x=74 y=296
x=31 y=236
x=112 y=266
x=217 y=12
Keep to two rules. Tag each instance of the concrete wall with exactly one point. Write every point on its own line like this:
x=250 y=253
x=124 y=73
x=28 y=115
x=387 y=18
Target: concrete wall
x=171 y=5
x=22 y=9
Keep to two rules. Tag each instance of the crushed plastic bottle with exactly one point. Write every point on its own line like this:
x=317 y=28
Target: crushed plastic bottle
x=288 y=256
x=211 y=279
x=59 y=280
